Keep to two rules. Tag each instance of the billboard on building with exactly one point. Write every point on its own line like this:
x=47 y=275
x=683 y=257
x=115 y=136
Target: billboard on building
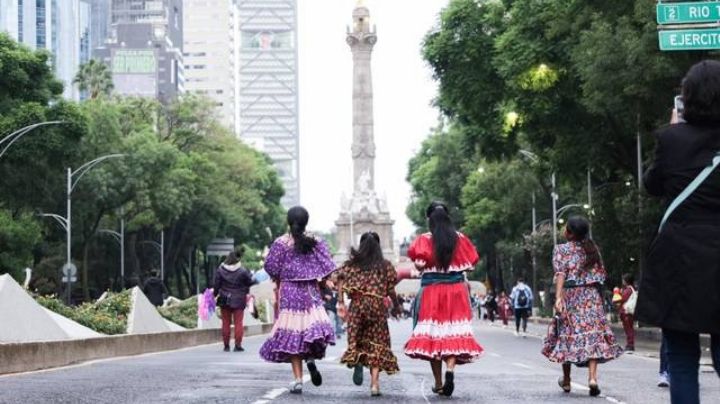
x=135 y=72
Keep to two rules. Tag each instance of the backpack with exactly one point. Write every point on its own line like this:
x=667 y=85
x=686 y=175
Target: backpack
x=522 y=299
x=629 y=306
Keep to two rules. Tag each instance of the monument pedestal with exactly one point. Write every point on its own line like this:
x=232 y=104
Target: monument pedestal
x=351 y=226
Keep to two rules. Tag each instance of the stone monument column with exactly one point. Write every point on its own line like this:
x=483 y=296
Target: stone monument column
x=365 y=210
x=362 y=39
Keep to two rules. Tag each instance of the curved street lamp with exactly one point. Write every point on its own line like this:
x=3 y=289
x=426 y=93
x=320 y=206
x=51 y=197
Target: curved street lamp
x=8 y=140
x=66 y=222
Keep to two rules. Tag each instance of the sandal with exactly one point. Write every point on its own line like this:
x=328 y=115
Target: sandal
x=437 y=390
x=296 y=387
x=594 y=389
x=375 y=392
x=565 y=387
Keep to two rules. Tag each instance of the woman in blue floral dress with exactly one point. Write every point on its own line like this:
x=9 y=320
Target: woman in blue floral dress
x=580 y=334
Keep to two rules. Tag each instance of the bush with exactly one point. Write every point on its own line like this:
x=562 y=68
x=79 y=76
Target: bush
x=108 y=316
x=183 y=314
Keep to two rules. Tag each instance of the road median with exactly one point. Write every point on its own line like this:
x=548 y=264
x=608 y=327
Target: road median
x=30 y=356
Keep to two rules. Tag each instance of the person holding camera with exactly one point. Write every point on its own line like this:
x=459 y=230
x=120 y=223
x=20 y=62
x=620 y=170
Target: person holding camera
x=580 y=334
x=682 y=273
x=231 y=286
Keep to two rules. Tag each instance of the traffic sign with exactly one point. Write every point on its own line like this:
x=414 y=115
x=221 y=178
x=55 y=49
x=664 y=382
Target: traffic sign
x=69 y=269
x=688 y=13
x=689 y=39
x=72 y=279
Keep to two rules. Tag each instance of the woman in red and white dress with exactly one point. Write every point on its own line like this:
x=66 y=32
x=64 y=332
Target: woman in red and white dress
x=442 y=324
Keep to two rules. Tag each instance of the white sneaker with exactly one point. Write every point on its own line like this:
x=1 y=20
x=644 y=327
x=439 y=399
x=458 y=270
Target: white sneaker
x=296 y=387
x=517 y=334
x=663 y=380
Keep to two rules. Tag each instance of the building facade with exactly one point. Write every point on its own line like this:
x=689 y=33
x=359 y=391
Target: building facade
x=144 y=48
x=209 y=40
x=267 y=90
x=59 y=26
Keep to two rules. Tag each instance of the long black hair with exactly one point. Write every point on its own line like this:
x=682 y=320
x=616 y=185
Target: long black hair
x=443 y=232
x=297 y=218
x=369 y=254
x=579 y=227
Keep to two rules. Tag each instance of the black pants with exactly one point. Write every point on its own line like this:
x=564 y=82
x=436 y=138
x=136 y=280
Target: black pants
x=521 y=315
x=683 y=356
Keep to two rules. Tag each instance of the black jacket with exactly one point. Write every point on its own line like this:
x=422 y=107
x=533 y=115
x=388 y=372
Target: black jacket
x=155 y=290
x=680 y=287
x=233 y=282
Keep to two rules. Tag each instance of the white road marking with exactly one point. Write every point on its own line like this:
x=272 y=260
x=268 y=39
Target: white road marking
x=614 y=400
x=274 y=393
x=495 y=355
x=579 y=386
x=522 y=365
x=422 y=390
x=608 y=398
x=260 y=402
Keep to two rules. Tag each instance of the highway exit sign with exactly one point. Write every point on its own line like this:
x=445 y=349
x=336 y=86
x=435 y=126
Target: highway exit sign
x=688 y=13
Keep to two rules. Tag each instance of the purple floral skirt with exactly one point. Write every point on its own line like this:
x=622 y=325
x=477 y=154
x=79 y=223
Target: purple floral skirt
x=582 y=332
x=302 y=327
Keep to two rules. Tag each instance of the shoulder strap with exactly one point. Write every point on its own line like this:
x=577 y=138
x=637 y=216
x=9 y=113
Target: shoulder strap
x=690 y=189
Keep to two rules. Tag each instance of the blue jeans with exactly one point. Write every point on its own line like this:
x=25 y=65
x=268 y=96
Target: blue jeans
x=683 y=355
x=663 y=356
x=336 y=321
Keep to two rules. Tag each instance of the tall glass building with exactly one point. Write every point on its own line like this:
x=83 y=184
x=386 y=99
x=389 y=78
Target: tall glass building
x=55 y=25
x=267 y=91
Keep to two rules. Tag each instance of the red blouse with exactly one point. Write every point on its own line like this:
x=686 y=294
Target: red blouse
x=464 y=258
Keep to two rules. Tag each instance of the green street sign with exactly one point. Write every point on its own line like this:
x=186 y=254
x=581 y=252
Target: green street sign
x=688 y=13
x=689 y=39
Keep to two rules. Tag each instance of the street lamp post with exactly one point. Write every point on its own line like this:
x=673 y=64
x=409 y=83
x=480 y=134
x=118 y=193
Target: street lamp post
x=120 y=238
x=66 y=221
x=554 y=197
x=8 y=140
x=161 y=249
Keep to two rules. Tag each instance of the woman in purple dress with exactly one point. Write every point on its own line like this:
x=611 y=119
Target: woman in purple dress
x=302 y=330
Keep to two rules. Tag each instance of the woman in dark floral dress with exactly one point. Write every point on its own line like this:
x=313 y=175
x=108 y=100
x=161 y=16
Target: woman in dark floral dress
x=580 y=335
x=368 y=279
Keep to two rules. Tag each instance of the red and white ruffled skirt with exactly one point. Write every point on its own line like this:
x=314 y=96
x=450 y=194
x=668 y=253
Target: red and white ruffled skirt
x=444 y=325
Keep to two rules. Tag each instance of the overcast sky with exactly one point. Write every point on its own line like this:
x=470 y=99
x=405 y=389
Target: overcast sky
x=404 y=90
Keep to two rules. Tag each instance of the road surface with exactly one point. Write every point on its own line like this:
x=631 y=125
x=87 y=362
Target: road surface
x=511 y=371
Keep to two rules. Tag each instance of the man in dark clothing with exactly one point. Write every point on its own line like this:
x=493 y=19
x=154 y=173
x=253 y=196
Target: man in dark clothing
x=155 y=289
x=330 y=298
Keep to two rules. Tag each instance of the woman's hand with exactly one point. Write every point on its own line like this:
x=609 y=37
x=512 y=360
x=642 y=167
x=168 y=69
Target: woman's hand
x=560 y=305
x=341 y=310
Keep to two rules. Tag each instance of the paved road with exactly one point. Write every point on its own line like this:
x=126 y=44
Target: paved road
x=512 y=371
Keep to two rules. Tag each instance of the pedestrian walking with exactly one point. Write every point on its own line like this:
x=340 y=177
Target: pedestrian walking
x=442 y=325
x=580 y=334
x=491 y=306
x=368 y=279
x=231 y=285
x=521 y=298
x=330 y=298
x=155 y=289
x=504 y=308
x=682 y=273
x=626 y=308
x=302 y=330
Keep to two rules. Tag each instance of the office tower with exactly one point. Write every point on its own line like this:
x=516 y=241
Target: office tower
x=144 y=48
x=268 y=86
x=209 y=54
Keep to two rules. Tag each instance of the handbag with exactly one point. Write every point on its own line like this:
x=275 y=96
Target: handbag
x=222 y=300
x=629 y=306
x=690 y=189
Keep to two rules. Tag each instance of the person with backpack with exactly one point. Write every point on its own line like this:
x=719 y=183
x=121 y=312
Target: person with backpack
x=681 y=278
x=231 y=286
x=626 y=308
x=522 y=299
